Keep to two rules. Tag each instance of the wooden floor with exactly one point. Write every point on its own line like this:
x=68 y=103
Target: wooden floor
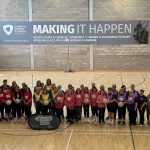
x=86 y=136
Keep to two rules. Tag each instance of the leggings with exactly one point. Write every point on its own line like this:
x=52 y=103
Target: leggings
x=132 y=116
x=101 y=114
x=59 y=112
x=94 y=111
x=27 y=111
x=16 y=109
x=78 y=112
x=86 y=111
x=70 y=114
x=121 y=112
x=2 y=110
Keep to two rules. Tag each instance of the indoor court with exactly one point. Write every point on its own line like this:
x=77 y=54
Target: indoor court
x=78 y=135
x=80 y=68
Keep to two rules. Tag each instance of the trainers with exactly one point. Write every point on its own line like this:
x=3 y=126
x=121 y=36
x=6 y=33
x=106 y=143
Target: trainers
x=141 y=125
x=88 y=120
x=109 y=121
x=112 y=121
x=107 y=118
x=92 y=117
x=96 y=119
x=119 y=122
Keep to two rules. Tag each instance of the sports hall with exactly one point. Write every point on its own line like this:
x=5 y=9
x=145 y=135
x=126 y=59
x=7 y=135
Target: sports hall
x=71 y=60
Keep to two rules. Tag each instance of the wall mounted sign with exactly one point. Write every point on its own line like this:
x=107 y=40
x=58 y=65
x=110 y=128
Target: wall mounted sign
x=74 y=32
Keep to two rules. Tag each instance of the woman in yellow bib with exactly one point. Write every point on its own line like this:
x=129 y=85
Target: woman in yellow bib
x=38 y=86
x=36 y=100
x=48 y=85
x=49 y=89
x=54 y=93
x=45 y=101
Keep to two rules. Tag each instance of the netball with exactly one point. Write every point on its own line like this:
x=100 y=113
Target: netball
x=105 y=101
x=120 y=104
x=86 y=100
x=8 y=102
x=46 y=103
x=17 y=101
x=59 y=99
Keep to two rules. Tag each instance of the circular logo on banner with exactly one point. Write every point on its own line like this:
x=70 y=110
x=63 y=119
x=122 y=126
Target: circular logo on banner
x=8 y=29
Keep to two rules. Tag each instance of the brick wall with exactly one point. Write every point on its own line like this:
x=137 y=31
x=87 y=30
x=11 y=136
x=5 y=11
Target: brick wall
x=50 y=57
x=121 y=56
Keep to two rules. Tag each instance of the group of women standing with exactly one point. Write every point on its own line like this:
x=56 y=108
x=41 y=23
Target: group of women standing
x=16 y=102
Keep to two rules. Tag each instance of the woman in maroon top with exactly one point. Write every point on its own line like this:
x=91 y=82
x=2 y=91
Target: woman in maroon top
x=17 y=103
x=27 y=101
x=93 y=98
x=78 y=103
x=86 y=103
x=8 y=97
x=1 y=103
x=59 y=104
x=70 y=104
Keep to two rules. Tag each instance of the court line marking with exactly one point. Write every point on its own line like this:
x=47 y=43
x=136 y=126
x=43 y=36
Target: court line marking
x=89 y=79
x=112 y=134
x=131 y=133
x=141 y=80
x=69 y=140
x=2 y=129
x=148 y=75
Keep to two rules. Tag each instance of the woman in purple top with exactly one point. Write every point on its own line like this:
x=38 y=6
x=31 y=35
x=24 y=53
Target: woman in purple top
x=141 y=99
x=115 y=92
x=132 y=107
x=121 y=98
x=111 y=105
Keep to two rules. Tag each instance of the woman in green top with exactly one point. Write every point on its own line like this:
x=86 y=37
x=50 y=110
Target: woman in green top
x=148 y=109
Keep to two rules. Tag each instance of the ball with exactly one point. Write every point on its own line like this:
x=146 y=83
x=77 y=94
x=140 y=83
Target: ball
x=105 y=101
x=120 y=104
x=59 y=99
x=8 y=102
x=46 y=102
x=86 y=100
x=17 y=101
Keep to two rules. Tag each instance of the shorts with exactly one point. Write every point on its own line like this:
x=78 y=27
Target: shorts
x=111 y=109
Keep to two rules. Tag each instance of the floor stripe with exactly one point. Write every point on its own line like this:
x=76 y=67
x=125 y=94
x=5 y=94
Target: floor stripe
x=141 y=80
x=69 y=140
x=132 y=138
x=148 y=75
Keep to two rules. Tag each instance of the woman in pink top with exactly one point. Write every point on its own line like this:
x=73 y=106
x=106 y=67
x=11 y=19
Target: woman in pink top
x=59 y=104
x=70 y=104
x=78 y=103
x=101 y=106
x=93 y=98
x=86 y=103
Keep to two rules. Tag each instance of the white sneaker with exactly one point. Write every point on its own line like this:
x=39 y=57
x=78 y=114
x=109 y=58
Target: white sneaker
x=23 y=118
x=92 y=117
x=88 y=120
x=112 y=121
x=109 y=121
x=97 y=119
x=15 y=120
